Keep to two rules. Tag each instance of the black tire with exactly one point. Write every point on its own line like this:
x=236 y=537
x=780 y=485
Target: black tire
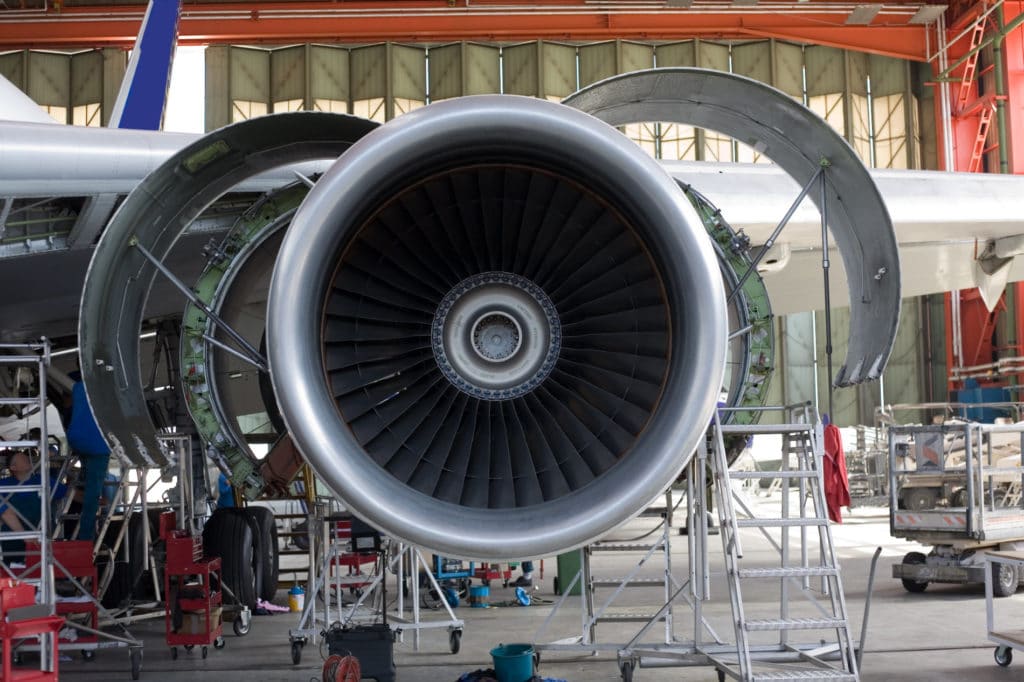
x=174 y=653
x=916 y=586
x=135 y=655
x=455 y=641
x=296 y=652
x=1003 y=655
x=229 y=535
x=129 y=564
x=267 y=552
x=1004 y=579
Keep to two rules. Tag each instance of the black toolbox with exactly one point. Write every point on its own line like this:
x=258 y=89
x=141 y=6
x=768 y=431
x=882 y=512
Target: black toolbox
x=373 y=645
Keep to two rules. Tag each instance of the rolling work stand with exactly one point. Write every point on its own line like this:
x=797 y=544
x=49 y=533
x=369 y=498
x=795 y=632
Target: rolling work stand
x=44 y=563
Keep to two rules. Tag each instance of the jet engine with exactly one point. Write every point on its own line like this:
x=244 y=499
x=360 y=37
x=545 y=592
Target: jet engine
x=492 y=327
x=496 y=327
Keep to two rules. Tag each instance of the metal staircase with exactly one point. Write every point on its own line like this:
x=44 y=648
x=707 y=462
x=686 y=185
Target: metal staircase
x=807 y=568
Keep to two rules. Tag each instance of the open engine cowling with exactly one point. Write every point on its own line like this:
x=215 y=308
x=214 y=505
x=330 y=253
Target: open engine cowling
x=496 y=328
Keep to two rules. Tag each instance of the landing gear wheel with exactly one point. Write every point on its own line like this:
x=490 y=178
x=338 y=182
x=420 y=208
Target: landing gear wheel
x=135 y=656
x=915 y=558
x=206 y=651
x=241 y=629
x=88 y=654
x=1003 y=655
x=1004 y=579
x=296 y=652
x=455 y=641
x=174 y=653
x=218 y=643
x=626 y=669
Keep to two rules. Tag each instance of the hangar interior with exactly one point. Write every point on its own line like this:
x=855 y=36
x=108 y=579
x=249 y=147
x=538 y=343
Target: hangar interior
x=494 y=334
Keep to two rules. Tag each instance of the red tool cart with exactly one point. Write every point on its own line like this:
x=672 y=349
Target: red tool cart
x=21 y=619
x=192 y=591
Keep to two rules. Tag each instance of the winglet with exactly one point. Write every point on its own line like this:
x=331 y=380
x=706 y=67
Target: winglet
x=140 y=102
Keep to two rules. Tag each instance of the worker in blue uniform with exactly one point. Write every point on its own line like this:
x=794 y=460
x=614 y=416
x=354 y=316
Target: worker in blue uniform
x=88 y=444
x=22 y=511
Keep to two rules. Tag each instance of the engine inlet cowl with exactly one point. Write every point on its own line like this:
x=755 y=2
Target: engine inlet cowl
x=496 y=328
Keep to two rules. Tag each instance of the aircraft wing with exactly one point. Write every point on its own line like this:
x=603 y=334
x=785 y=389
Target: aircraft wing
x=60 y=184
x=955 y=230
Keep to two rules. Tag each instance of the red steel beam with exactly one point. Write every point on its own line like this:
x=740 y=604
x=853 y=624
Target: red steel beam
x=418 y=22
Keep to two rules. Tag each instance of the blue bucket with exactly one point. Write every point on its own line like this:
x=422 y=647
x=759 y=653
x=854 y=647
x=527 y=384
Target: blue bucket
x=479 y=596
x=513 y=662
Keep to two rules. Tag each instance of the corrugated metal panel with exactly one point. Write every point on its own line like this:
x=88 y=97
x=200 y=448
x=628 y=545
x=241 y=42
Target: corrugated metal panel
x=86 y=78
x=369 y=72
x=635 y=56
x=858 y=131
x=826 y=72
x=249 y=75
x=49 y=78
x=676 y=54
x=409 y=72
x=712 y=56
x=925 y=119
x=903 y=373
x=115 y=63
x=446 y=71
x=520 y=67
x=789 y=69
x=889 y=88
x=288 y=74
x=753 y=60
x=888 y=75
x=798 y=343
x=558 y=70
x=218 y=86
x=481 y=69
x=328 y=73
x=598 y=61
x=12 y=67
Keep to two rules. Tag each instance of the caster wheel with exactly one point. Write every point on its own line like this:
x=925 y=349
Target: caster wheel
x=189 y=647
x=136 y=659
x=88 y=654
x=626 y=669
x=296 y=652
x=240 y=629
x=455 y=641
x=555 y=585
x=205 y=651
x=1004 y=655
x=174 y=653
x=219 y=643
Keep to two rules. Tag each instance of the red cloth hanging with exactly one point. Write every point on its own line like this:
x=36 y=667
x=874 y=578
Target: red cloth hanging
x=837 y=484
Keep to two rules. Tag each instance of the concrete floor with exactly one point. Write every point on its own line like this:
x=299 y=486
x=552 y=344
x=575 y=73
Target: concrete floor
x=937 y=635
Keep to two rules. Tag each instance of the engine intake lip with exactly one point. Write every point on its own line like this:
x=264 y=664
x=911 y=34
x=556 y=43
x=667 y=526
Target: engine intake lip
x=496 y=336
x=360 y=425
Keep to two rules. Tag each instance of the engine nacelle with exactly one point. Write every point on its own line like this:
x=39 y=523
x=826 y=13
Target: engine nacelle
x=496 y=328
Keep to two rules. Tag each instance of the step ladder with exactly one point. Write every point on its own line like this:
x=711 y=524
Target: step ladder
x=808 y=580
x=657 y=547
